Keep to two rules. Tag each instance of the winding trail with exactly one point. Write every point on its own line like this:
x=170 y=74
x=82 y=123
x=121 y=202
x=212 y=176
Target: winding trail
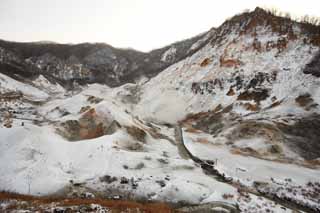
x=183 y=151
x=209 y=169
x=206 y=165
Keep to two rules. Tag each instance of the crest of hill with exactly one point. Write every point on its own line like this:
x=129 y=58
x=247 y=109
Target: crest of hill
x=249 y=22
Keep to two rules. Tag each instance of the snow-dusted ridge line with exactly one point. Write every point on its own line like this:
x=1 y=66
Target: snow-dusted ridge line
x=249 y=113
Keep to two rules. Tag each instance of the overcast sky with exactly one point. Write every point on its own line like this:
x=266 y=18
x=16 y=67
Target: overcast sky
x=140 y=24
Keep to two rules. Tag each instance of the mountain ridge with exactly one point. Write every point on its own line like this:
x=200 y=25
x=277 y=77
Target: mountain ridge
x=233 y=125
x=101 y=62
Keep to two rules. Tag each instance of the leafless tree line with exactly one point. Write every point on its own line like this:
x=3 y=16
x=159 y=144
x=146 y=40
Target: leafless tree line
x=314 y=20
x=307 y=19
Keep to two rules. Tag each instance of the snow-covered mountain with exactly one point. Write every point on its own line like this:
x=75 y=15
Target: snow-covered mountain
x=230 y=123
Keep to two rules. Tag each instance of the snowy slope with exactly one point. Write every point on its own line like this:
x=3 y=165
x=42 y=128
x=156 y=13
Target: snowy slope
x=248 y=89
x=8 y=84
x=247 y=109
x=37 y=160
x=173 y=87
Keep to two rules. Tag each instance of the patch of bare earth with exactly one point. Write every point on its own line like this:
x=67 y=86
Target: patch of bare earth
x=13 y=201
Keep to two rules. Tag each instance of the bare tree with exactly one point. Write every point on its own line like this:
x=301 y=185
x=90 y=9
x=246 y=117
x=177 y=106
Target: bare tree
x=287 y=15
x=313 y=20
x=305 y=19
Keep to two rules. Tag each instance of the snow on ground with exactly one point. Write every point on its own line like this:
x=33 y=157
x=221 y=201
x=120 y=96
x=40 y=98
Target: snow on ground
x=169 y=55
x=250 y=203
x=255 y=143
x=281 y=178
x=176 y=81
x=165 y=107
x=207 y=35
x=254 y=204
x=43 y=162
x=35 y=160
x=95 y=96
x=44 y=84
x=249 y=169
x=8 y=84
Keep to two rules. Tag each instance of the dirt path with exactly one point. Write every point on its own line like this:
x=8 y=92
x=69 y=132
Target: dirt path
x=209 y=169
x=186 y=154
x=183 y=151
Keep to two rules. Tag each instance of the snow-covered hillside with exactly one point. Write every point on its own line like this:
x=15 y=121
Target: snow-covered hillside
x=240 y=63
x=232 y=127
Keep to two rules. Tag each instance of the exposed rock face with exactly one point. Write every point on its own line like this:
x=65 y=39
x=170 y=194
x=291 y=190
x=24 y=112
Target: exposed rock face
x=12 y=65
x=306 y=101
x=229 y=62
x=7 y=120
x=241 y=107
x=136 y=133
x=92 y=63
x=257 y=96
x=249 y=129
x=313 y=67
x=205 y=62
x=90 y=125
x=248 y=86
x=303 y=136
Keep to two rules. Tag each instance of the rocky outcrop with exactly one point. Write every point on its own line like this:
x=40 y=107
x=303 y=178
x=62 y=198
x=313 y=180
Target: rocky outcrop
x=205 y=62
x=136 y=133
x=10 y=96
x=257 y=96
x=313 y=67
x=306 y=101
x=206 y=87
x=90 y=125
x=229 y=62
x=303 y=136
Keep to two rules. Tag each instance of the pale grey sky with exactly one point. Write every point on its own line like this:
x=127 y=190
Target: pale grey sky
x=140 y=24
